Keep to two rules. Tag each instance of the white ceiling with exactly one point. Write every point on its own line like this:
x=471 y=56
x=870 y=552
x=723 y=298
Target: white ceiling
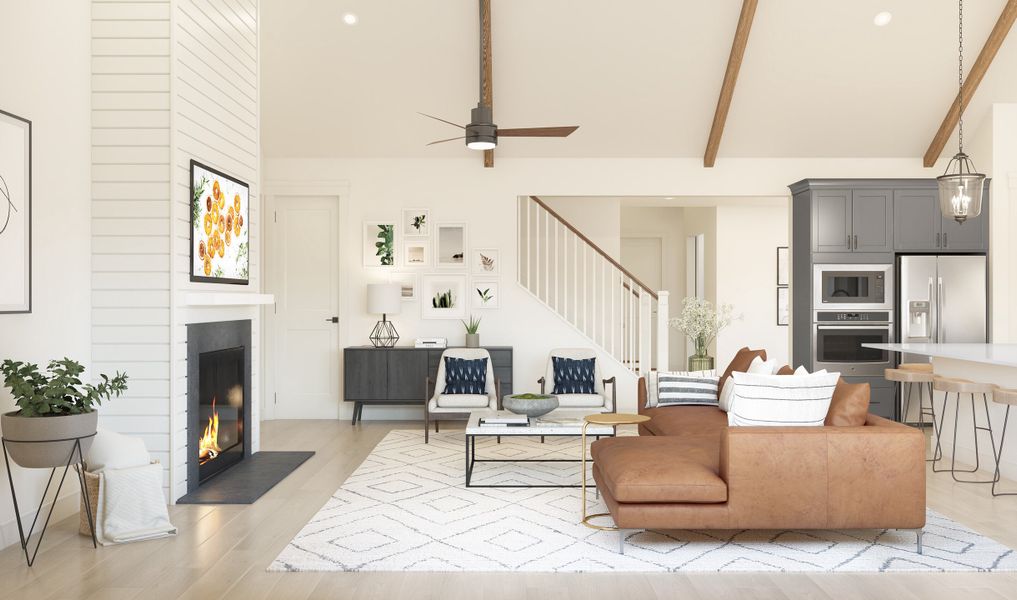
x=640 y=77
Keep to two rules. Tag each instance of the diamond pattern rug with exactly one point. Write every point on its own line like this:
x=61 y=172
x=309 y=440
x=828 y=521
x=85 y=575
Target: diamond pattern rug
x=406 y=509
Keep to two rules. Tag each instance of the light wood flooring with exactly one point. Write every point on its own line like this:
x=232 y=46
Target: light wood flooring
x=223 y=551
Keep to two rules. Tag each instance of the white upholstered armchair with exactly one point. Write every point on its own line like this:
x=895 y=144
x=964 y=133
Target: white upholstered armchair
x=601 y=399
x=458 y=405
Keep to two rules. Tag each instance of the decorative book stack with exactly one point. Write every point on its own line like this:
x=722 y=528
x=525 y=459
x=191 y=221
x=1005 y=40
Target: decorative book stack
x=505 y=419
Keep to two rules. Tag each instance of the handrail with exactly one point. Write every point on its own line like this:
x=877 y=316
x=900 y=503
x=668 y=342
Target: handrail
x=597 y=248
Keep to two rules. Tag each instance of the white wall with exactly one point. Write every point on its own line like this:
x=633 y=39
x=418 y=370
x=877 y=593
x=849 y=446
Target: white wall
x=747 y=239
x=599 y=218
x=1003 y=221
x=45 y=74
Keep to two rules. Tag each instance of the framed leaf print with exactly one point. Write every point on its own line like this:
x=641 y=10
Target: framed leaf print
x=416 y=222
x=486 y=293
x=15 y=214
x=379 y=244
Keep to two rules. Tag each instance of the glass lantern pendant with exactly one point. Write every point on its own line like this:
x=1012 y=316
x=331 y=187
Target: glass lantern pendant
x=960 y=187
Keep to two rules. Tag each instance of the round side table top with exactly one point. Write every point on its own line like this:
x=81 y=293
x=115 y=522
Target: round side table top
x=616 y=419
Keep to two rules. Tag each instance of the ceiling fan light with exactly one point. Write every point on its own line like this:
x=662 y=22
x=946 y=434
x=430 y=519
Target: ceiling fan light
x=481 y=144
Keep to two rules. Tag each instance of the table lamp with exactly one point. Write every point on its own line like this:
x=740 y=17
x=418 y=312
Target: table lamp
x=384 y=299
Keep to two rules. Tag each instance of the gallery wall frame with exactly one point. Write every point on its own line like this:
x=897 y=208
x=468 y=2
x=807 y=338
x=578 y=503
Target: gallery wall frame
x=15 y=214
x=220 y=243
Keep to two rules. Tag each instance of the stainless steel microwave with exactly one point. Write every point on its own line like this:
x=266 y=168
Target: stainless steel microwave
x=853 y=287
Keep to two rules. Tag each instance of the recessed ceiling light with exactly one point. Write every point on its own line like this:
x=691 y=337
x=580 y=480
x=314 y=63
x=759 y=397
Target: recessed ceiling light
x=350 y=19
x=882 y=19
x=668 y=197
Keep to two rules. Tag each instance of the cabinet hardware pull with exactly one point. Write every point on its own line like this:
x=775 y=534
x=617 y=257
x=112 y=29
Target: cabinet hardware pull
x=938 y=237
x=856 y=242
x=946 y=244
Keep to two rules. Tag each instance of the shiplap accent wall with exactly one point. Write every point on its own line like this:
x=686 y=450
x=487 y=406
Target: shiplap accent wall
x=130 y=214
x=215 y=113
x=172 y=80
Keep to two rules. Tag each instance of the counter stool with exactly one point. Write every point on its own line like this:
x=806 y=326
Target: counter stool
x=907 y=378
x=1009 y=398
x=971 y=388
x=924 y=367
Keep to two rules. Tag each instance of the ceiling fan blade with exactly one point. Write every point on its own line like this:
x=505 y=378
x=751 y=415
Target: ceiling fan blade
x=462 y=137
x=442 y=120
x=537 y=131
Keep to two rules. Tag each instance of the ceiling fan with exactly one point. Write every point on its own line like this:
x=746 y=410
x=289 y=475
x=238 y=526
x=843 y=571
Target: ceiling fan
x=481 y=132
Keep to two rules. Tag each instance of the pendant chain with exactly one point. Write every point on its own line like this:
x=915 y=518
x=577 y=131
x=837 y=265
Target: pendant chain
x=960 y=76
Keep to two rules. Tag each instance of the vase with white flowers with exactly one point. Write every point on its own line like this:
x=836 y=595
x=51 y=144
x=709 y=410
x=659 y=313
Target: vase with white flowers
x=700 y=321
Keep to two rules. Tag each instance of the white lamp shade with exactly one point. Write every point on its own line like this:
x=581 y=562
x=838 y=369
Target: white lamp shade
x=384 y=298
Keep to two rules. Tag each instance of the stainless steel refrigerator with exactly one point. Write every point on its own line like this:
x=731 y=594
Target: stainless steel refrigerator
x=941 y=299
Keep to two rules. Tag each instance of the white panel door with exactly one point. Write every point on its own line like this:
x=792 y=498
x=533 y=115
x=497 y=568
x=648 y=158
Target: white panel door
x=306 y=277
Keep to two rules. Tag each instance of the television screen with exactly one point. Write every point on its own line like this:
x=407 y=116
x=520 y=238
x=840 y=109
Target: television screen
x=220 y=250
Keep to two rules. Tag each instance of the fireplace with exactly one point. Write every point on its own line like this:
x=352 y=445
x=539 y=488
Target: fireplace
x=221 y=410
x=218 y=398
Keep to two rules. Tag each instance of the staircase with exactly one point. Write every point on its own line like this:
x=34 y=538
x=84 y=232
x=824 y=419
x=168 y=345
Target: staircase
x=590 y=290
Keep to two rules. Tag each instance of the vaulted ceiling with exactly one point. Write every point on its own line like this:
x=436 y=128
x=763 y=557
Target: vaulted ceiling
x=640 y=77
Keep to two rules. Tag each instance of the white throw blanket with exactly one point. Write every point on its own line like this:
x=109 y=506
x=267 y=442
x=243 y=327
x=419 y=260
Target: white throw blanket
x=132 y=506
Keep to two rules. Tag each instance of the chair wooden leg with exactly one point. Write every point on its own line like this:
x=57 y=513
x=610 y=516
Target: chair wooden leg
x=427 y=424
x=436 y=425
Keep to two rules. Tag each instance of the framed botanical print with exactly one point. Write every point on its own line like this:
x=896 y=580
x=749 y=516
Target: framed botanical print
x=15 y=214
x=379 y=244
x=416 y=253
x=451 y=244
x=408 y=284
x=485 y=261
x=443 y=296
x=486 y=293
x=416 y=222
x=220 y=227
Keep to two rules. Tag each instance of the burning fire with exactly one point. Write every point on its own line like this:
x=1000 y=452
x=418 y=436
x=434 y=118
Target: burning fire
x=208 y=444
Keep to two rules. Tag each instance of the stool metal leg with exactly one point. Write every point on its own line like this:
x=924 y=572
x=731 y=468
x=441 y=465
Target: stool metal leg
x=1002 y=439
x=937 y=454
x=907 y=401
x=974 y=432
x=939 y=441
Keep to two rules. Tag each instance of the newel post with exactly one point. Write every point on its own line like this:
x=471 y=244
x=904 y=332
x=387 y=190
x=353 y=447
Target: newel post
x=663 y=331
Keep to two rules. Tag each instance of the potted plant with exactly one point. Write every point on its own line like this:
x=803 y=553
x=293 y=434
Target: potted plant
x=53 y=405
x=701 y=323
x=472 y=327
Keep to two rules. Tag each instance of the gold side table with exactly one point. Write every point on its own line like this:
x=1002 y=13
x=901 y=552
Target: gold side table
x=612 y=419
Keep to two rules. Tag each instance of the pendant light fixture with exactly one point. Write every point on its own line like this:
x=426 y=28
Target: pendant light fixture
x=960 y=187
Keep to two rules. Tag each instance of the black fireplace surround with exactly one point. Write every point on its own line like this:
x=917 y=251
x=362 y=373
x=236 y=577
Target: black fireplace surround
x=219 y=368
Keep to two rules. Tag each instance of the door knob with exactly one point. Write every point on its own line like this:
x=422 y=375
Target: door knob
x=332 y=319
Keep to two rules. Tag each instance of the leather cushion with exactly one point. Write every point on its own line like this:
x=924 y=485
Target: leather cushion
x=786 y=370
x=661 y=469
x=849 y=406
x=580 y=400
x=685 y=420
x=740 y=363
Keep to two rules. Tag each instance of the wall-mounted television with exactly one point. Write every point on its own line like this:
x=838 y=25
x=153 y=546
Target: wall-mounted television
x=220 y=226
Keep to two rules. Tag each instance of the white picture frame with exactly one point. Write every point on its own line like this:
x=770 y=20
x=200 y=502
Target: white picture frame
x=409 y=284
x=15 y=214
x=372 y=258
x=416 y=253
x=412 y=228
x=435 y=285
x=783 y=266
x=451 y=244
x=482 y=288
x=783 y=306
x=485 y=261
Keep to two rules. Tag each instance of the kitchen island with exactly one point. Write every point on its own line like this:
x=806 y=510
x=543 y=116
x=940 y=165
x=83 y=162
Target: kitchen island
x=988 y=363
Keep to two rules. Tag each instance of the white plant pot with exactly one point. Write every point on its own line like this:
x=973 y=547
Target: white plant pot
x=26 y=438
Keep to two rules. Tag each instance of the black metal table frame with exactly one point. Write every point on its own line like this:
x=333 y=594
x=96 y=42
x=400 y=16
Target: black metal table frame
x=76 y=449
x=472 y=460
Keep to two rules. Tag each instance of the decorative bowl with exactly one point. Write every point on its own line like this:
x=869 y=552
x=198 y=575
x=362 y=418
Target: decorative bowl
x=531 y=405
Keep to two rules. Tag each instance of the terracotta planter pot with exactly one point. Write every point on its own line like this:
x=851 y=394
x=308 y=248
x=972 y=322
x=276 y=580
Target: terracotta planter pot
x=34 y=452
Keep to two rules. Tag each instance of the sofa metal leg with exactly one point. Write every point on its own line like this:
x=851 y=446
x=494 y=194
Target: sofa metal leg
x=919 y=540
x=621 y=541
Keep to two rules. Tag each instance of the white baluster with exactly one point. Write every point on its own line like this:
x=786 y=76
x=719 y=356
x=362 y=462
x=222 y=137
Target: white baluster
x=644 y=333
x=663 y=331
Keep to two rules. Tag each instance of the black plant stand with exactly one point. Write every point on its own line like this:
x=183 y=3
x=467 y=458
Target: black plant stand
x=76 y=450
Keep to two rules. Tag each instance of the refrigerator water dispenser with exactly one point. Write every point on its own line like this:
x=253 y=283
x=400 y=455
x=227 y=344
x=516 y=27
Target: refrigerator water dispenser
x=919 y=323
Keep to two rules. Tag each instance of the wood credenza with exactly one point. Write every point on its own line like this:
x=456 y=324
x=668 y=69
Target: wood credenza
x=396 y=376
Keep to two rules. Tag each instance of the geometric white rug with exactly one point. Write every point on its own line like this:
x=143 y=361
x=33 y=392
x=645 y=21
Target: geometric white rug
x=406 y=509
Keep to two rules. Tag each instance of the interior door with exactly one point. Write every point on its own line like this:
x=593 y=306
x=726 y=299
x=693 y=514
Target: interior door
x=305 y=274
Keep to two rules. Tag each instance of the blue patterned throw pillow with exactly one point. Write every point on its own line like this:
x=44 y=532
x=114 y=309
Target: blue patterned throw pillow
x=574 y=376
x=465 y=376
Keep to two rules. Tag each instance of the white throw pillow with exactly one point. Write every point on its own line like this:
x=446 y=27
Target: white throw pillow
x=801 y=370
x=775 y=401
x=726 y=394
x=112 y=450
x=758 y=366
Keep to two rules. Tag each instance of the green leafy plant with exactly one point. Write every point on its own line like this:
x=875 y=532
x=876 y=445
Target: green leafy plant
x=485 y=295
x=199 y=190
x=419 y=221
x=58 y=390
x=446 y=299
x=385 y=246
x=473 y=326
x=531 y=396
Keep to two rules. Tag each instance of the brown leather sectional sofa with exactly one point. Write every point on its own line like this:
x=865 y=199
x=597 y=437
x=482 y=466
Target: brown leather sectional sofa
x=688 y=470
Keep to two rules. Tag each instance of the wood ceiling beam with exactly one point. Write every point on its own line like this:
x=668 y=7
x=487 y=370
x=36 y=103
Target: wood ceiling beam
x=734 y=64
x=486 y=75
x=975 y=75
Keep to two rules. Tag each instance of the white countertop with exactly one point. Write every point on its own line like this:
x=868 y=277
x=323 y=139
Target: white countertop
x=991 y=354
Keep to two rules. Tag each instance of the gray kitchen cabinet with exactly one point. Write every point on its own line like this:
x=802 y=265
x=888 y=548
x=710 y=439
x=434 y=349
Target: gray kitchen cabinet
x=831 y=221
x=917 y=222
x=971 y=235
x=872 y=220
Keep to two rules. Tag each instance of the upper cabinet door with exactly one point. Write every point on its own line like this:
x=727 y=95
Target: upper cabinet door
x=872 y=220
x=971 y=235
x=916 y=221
x=831 y=221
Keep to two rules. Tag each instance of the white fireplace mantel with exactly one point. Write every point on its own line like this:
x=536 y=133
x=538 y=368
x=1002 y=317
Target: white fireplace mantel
x=227 y=299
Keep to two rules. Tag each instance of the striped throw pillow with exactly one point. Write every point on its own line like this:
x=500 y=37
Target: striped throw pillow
x=679 y=389
x=781 y=401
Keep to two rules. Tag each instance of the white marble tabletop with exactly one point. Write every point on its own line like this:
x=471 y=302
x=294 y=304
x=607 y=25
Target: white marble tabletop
x=557 y=422
x=1004 y=355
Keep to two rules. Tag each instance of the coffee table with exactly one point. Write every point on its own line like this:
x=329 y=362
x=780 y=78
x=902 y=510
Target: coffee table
x=560 y=423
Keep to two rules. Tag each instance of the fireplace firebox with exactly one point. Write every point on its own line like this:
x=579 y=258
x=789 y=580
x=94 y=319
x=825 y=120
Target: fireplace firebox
x=220 y=410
